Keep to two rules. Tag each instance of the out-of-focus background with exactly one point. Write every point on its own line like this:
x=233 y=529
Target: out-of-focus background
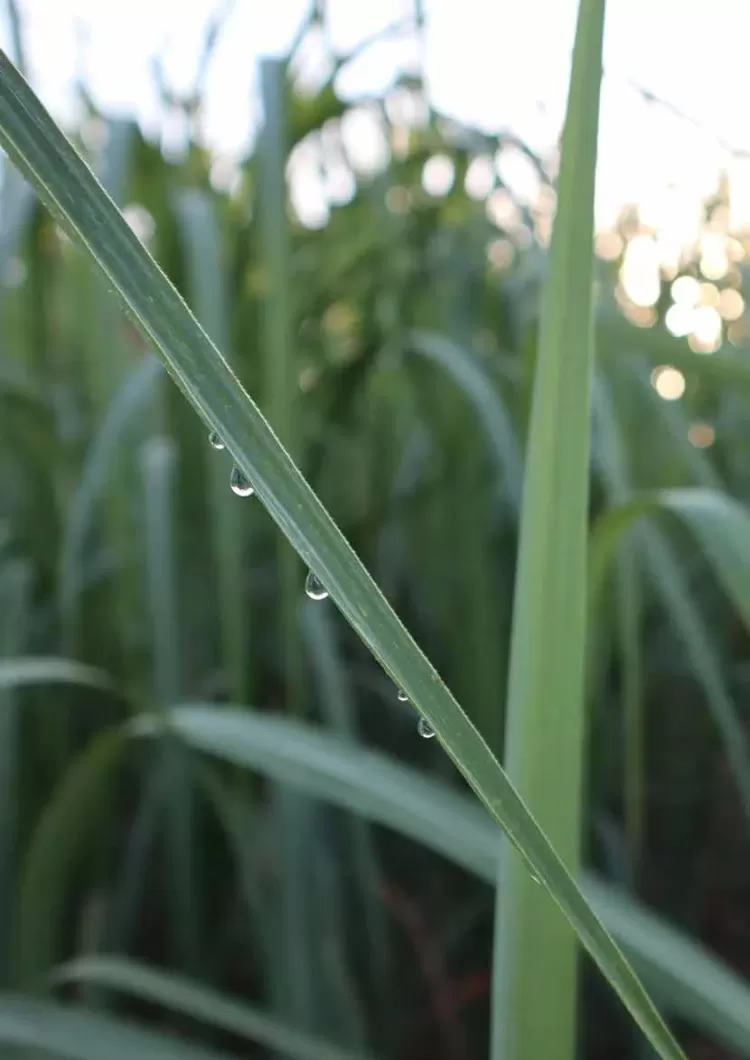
x=402 y=273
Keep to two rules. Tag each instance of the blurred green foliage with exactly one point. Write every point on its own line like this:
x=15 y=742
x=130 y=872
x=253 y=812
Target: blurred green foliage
x=413 y=320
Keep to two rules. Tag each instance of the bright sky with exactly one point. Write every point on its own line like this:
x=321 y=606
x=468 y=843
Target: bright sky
x=495 y=63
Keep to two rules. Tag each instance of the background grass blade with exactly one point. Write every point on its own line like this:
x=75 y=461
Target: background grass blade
x=80 y=1035
x=199 y=1003
x=338 y=708
x=78 y=804
x=133 y=395
x=280 y=383
x=14 y=605
x=610 y=460
x=534 y=994
x=687 y=980
x=44 y=670
x=210 y=299
x=297 y=993
x=385 y=792
x=70 y=191
x=159 y=468
x=481 y=390
x=101 y=324
x=721 y=527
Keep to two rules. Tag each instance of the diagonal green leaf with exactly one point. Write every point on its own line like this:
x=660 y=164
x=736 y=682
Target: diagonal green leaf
x=71 y=192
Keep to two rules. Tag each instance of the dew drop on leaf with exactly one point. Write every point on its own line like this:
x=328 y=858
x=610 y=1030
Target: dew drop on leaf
x=314 y=587
x=215 y=441
x=240 y=483
x=424 y=729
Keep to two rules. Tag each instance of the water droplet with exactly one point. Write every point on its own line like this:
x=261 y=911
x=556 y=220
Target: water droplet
x=532 y=873
x=424 y=729
x=240 y=483
x=401 y=696
x=314 y=587
x=215 y=441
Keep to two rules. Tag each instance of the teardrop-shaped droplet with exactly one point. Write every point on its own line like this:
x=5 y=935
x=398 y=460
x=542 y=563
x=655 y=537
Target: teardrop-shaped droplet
x=240 y=483
x=532 y=873
x=215 y=441
x=424 y=729
x=314 y=587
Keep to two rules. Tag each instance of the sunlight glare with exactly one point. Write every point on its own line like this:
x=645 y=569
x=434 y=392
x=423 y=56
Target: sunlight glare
x=686 y=291
x=438 y=175
x=701 y=435
x=640 y=271
x=679 y=319
x=668 y=382
x=707 y=330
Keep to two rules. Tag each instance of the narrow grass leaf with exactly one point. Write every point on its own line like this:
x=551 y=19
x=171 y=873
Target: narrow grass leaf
x=199 y=1003
x=70 y=191
x=297 y=993
x=688 y=980
x=210 y=299
x=323 y=766
x=75 y=809
x=534 y=995
x=49 y=670
x=338 y=709
x=130 y=400
x=277 y=316
x=610 y=459
x=721 y=527
x=159 y=466
x=100 y=328
x=77 y=1034
x=481 y=390
x=15 y=584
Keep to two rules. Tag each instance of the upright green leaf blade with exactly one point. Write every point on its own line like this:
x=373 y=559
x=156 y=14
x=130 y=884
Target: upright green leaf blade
x=534 y=980
x=70 y=191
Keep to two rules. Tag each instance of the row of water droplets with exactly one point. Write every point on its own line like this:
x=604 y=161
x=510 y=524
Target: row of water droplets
x=241 y=485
